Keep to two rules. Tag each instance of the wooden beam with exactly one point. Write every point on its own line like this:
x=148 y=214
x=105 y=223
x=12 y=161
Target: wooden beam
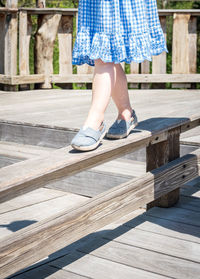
x=10 y=47
x=34 y=173
x=15 y=80
x=21 y=249
x=133 y=78
x=44 y=44
x=160 y=154
x=25 y=28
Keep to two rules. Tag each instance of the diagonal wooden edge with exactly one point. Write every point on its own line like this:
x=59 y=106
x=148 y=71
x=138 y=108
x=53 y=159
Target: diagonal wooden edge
x=27 y=175
x=43 y=238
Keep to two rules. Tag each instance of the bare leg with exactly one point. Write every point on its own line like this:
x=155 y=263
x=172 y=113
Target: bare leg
x=102 y=87
x=120 y=94
x=109 y=80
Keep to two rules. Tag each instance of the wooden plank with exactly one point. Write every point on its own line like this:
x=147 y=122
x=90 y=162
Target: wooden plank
x=153 y=241
x=123 y=166
x=145 y=68
x=25 y=28
x=2 y=38
x=142 y=78
x=10 y=49
x=65 y=31
x=163 y=226
x=21 y=151
x=15 y=220
x=98 y=268
x=190 y=203
x=177 y=214
x=32 y=174
x=44 y=43
x=160 y=154
x=92 y=215
x=15 y=80
x=34 y=197
x=180 y=46
x=144 y=259
x=192 y=33
x=34 y=135
x=134 y=69
x=74 y=10
x=89 y=183
x=48 y=272
x=159 y=62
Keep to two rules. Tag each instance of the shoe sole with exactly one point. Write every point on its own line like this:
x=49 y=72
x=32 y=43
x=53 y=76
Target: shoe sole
x=112 y=136
x=91 y=147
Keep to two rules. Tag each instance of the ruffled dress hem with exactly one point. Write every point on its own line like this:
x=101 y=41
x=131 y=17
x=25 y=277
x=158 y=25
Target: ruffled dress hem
x=117 y=47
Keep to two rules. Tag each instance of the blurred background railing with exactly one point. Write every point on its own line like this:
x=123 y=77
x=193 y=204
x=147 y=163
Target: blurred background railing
x=36 y=50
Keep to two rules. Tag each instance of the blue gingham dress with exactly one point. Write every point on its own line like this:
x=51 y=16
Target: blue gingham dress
x=117 y=31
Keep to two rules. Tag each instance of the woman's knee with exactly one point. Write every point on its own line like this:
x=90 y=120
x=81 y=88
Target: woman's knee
x=99 y=62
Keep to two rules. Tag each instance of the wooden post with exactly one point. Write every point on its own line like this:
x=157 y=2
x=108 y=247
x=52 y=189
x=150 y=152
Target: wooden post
x=65 y=32
x=145 y=68
x=180 y=47
x=10 y=48
x=192 y=29
x=44 y=43
x=25 y=28
x=134 y=69
x=159 y=154
x=2 y=39
x=83 y=69
x=159 y=61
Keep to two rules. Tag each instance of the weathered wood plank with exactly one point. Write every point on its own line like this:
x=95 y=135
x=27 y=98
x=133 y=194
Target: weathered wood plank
x=15 y=80
x=61 y=163
x=25 y=28
x=142 y=78
x=159 y=61
x=177 y=214
x=153 y=241
x=10 y=47
x=2 y=38
x=94 y=214
x=163 y=226
x=65 y=31
x=44 y=43
x=97 y=267
x=34 y=197
x=21 y=151
x=180 y=46
x=48 y=272
x=137 y=257
x=145 y=68
x=160 y=154
x=15 y=220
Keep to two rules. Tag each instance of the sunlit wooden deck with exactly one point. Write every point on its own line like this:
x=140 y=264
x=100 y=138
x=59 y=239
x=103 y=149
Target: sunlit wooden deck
x=158 y=243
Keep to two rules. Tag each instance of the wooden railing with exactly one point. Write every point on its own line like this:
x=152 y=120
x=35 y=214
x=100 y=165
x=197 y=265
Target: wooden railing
x=53 y=22
x=166 y=173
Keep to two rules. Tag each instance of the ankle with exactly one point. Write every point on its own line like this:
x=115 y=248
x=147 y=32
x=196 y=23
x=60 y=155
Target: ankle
x=125 y=114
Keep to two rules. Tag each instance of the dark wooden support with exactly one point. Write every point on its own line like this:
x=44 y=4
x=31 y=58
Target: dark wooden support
x=160 y=154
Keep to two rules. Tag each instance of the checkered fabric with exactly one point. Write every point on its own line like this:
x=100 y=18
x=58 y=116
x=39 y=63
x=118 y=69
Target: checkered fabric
x=117 y=31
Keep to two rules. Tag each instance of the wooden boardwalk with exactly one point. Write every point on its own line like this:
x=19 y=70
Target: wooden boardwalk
x=158 y=243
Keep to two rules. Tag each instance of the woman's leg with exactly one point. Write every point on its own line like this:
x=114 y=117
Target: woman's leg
x=102 y=87
x=109 y=80
x=120 y=94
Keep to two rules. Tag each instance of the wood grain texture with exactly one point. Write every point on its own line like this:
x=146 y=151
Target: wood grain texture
x=142 y=78
x=2 y=37
x=94 y=214
x=44 y=43
x=160 y=154
x=100 y=267
x=144 y=259
x=34 y=173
